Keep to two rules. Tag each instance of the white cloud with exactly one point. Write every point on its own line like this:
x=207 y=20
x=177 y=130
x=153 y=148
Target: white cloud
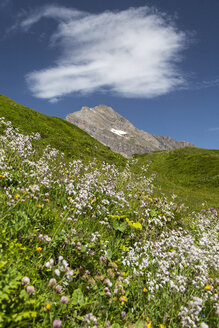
x=131 y=53
x=213 y=129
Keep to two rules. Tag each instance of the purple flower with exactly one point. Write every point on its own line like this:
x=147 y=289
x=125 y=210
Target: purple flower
x=64 y=300
x=30 y=290
x=25 y=281
x=52 y=282
x=58 y=289
x=57 y=323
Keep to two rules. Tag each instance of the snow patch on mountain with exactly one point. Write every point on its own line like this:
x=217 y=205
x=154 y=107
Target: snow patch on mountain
x=118 y=132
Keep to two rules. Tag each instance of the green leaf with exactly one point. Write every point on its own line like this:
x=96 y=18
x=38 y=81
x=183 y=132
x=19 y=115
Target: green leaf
x=153 y=213
x=120 y=227
x=115 y=325
x=109 y=254
x=78 y=297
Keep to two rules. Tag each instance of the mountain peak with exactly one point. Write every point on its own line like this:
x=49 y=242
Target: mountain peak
x=109 y=127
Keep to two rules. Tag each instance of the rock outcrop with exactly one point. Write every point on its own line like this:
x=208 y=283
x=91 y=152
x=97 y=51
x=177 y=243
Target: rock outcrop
x=113 y=130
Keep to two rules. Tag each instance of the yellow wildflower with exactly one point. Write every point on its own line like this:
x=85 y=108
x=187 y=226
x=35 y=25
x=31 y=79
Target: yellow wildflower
x=137 y=225
x=1 y=176
x=123 y=299
x=144 y=290
x=207 y=287
x=114 y=265
x=38 y=249
x=161 y=325
x=48 y=307
x=39 y=206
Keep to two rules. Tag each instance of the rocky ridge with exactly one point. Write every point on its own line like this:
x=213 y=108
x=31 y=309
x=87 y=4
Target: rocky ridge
x=113 y=130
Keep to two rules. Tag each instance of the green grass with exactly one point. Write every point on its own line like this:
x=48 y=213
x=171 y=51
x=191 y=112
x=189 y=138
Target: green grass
x=60 y=134
x=191 y=173
x=92 y=246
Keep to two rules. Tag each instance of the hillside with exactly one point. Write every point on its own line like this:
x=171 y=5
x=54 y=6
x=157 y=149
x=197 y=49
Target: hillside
x=59 y=133
x=190 y=173
x=87 y=245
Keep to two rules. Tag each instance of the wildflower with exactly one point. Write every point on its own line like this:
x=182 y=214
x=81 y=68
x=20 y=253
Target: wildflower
x=64 y=300
x=123 y=299
x=57 y=272
x=1 y=176
x=103 y=258
x=162 y=326
x=114 y=265
x=25 y=281
x=58 y=289
x=203 y=325
x=144 y=290
x=30 y=290
x=57 y=323
x=52 y=282
x=39 y=206
x=38 y=249
x=123 y=314
x=48 y=307
x=207 y=287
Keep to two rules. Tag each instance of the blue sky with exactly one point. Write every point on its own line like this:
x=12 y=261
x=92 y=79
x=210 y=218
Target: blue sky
x=155 y=62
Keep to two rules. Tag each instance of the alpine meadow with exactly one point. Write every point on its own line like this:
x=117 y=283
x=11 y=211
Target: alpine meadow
x=92 y=239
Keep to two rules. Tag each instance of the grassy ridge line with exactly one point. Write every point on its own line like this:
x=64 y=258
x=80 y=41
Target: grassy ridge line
x=62 y=135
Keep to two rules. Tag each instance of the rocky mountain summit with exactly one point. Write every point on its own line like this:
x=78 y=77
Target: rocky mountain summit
x=113 y=130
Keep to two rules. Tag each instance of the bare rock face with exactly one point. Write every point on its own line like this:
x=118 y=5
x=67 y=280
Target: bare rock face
x=116 y=132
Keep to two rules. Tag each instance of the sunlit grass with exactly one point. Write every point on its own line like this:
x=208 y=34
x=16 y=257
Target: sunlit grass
x=85 y=244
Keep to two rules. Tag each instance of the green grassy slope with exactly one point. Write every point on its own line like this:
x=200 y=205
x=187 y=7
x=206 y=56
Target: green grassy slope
x=191 y=173
x=57 y=132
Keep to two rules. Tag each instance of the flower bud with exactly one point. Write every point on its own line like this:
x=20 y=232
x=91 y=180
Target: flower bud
x=30 y=290
x=58 y=289
x=25 y=281
x=64 y=300
x=108 y=294
x=57 y=323
x=52 y=282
